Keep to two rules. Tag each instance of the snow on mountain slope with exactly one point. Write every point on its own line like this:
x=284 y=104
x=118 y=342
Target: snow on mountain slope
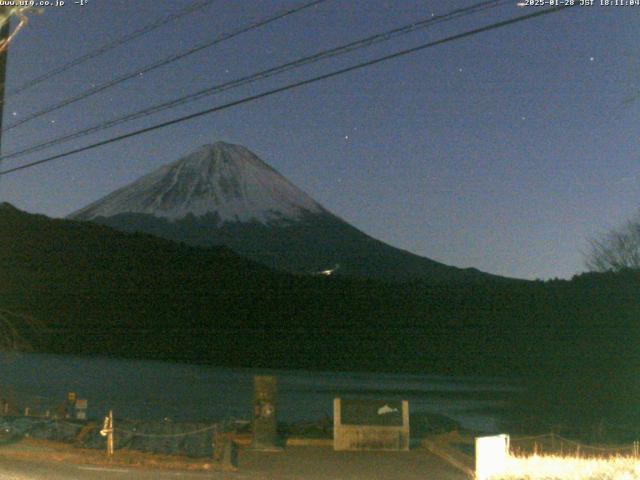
x=220 y=179
x=223 y=194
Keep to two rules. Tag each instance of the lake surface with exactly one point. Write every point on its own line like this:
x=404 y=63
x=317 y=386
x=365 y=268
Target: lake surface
x=154 y=390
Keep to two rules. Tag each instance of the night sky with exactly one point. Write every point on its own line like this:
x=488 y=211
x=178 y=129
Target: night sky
x=504 y=151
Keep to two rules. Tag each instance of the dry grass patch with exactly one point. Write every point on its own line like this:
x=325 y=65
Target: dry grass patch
x=557 y=467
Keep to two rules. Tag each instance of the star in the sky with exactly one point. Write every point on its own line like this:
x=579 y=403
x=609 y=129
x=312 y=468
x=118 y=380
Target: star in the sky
x=591 y=59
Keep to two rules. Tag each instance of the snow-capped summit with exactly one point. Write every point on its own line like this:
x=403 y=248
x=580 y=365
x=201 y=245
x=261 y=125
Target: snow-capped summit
x=219 y=179
x=223 y=194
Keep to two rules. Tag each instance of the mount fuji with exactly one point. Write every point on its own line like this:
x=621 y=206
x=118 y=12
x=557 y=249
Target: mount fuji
x=223 y=194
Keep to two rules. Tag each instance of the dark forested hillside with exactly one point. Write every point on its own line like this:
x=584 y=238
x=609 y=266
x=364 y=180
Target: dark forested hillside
x=98 y=291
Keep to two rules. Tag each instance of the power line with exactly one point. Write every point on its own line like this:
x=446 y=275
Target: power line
x=325 y=54
x=291 y=86
x=166 y=61
x=194 y=7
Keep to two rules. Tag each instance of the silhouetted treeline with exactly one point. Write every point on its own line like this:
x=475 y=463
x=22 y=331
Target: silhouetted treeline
x=98 y=291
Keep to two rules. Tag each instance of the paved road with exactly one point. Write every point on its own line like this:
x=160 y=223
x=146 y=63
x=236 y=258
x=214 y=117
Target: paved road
x=18 y=469
x=299 y=463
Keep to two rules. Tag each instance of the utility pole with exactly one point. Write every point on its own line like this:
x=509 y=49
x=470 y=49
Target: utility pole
x=4 y=37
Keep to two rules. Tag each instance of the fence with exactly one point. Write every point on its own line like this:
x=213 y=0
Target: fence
x=552 y=443
x=65 y=420
x=185 y=439
x=13 y=402
x=552 y=456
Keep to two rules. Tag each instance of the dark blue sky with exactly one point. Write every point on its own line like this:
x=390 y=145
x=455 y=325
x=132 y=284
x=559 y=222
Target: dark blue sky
x=504 y=151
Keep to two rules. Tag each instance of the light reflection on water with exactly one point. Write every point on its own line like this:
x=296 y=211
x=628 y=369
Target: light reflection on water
x=153 y=390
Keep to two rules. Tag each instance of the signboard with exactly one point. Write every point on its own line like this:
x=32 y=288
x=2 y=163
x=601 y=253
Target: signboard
x=360 y=424
x=371 y=412
x=81 y=408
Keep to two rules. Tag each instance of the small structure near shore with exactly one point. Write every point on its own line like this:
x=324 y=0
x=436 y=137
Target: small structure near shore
x=370 y=424
x=491 y=456
x=265 y=423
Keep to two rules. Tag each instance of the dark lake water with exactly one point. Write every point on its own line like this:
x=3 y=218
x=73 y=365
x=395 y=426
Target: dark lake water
x=155 y=390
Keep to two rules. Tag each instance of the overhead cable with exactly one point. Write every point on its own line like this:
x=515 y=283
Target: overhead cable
x=194 y=7
x=291 y=86
x=261 y=75
x=166 y=61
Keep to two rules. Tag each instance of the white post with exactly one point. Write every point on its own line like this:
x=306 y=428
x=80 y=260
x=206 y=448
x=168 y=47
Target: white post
x=491 y=456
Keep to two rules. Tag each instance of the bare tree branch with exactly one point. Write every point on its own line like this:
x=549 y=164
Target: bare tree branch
x=616 y=250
